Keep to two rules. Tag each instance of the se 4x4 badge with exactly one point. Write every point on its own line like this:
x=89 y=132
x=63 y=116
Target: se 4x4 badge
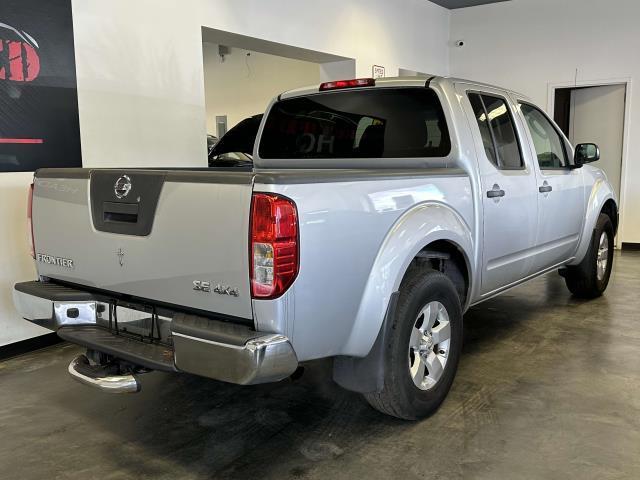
x=205 y=287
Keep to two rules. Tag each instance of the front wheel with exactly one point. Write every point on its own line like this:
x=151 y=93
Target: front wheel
x=421 y=356
x=590 y=278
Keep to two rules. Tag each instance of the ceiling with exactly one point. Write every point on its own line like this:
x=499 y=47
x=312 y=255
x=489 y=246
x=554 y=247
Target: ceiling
x=451 y=4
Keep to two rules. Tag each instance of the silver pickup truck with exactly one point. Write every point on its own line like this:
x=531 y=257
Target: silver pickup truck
x=375 y=213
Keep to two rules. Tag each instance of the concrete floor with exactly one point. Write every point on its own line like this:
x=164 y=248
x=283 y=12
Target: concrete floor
x=548 y=387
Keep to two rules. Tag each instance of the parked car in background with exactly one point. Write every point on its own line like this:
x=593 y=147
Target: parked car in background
x=363 y=221
x=211 y=142
x=235 y=148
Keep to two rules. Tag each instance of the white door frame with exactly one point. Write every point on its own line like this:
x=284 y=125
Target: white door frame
x=626 y=81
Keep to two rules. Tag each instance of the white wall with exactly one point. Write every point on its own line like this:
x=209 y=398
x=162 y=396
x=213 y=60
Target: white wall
x=242 y=86
x=141 y=90
x=16 y=265
x=528 y=44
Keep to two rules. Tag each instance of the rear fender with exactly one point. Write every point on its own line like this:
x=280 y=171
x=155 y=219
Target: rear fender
x=415 y=229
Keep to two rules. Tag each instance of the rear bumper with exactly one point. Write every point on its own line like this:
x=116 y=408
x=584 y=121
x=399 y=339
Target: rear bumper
x=198 y=345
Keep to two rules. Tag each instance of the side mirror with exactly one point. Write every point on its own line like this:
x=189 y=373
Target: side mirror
x=586 y=153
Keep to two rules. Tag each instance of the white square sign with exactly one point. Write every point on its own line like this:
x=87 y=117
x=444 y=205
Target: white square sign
x=377 y=71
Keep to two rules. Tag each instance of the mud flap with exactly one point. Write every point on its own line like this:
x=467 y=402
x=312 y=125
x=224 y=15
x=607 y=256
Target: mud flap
x=366 y=374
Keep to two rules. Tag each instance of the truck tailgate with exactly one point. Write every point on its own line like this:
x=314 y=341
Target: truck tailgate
x=170 y=229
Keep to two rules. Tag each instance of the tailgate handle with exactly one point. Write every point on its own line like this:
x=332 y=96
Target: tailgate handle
x=120 y=212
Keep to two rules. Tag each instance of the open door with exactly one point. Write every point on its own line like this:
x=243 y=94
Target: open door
x=595 y=114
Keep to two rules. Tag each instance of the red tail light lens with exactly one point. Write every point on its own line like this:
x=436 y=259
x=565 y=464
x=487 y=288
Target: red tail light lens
x=273 y=256
x=32 y=248
x=356 y=82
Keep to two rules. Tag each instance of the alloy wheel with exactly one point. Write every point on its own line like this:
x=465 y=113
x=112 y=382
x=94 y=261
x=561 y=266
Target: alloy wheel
x=602 y=259
x=429 y=345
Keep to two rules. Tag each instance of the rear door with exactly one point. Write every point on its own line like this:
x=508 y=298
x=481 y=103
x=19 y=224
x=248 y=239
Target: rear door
x=508 y=189
x=148 y=233
x=560 y=191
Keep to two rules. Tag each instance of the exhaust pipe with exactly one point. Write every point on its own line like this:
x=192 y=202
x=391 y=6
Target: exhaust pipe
x=101 y=377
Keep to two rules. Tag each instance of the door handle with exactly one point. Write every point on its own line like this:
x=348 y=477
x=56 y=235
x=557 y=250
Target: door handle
x=495 y=192
x=545 y=188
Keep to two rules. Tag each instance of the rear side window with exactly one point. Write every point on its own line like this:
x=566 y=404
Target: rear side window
x=375 y=123
x=483 y=124
x=494 y=118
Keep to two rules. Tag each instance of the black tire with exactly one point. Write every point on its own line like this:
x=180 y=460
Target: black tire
x=582 y=279
x=400 y=397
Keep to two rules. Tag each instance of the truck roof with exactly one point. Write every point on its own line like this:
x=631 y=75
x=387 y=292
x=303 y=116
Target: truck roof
x=402 y=82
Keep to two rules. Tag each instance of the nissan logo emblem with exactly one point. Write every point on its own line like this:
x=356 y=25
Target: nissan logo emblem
x=122 y=186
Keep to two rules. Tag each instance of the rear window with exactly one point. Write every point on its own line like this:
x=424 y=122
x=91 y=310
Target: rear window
x=375 y=123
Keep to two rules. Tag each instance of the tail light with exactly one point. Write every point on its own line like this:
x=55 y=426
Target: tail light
x=356 y=82
x=273 y=256
x=32 y=248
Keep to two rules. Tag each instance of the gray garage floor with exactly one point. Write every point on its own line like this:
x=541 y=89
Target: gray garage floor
x=548 y=387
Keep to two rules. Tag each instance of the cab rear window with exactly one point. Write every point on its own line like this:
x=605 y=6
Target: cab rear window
x=374 y=123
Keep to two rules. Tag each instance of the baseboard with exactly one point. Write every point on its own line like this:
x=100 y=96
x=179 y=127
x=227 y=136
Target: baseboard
x=632 y=247
x=29 y=345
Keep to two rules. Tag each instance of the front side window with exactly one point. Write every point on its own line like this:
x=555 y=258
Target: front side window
x=497 y=131
x=363 y=123
x=546 y=139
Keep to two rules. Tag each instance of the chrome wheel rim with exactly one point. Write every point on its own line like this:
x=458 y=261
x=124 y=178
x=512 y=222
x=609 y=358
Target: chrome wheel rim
x=429 y=345
x=603 y=255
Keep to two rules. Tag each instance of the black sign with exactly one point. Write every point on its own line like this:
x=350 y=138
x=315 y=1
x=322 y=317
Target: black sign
x=38 y=93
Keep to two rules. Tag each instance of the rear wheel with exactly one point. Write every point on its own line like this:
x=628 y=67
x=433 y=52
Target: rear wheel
x=424 y=346
x=590 y=278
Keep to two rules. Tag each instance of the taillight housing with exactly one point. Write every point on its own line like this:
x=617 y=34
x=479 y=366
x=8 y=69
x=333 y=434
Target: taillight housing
x=356 y=82
x=32 y=248
x=273 y=245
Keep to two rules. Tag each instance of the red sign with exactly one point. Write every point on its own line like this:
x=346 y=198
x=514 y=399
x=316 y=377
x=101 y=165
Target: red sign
x=19 y=61
x=39 y=124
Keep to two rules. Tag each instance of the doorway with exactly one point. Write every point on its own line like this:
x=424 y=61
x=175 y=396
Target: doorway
x=596 y=113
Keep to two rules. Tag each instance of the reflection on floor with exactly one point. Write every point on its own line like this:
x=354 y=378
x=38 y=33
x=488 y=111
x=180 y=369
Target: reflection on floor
x=548 y=387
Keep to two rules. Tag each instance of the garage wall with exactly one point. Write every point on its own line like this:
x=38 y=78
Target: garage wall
x=16 y=265
x=528 y=44
x=141 y=91
x=243 y=86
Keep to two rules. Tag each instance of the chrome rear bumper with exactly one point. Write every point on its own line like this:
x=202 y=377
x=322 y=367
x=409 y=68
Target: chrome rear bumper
x=202 y=346
x=263 y=359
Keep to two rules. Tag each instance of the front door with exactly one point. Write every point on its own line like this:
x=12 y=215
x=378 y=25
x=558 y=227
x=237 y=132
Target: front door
x=560 y=191
x=509 y=200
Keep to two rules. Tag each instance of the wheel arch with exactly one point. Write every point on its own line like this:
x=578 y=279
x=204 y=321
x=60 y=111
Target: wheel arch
x=602 y=199
x=449 y=258
x=417 y=236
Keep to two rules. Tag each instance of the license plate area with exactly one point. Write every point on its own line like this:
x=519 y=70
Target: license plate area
x=141 y=322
